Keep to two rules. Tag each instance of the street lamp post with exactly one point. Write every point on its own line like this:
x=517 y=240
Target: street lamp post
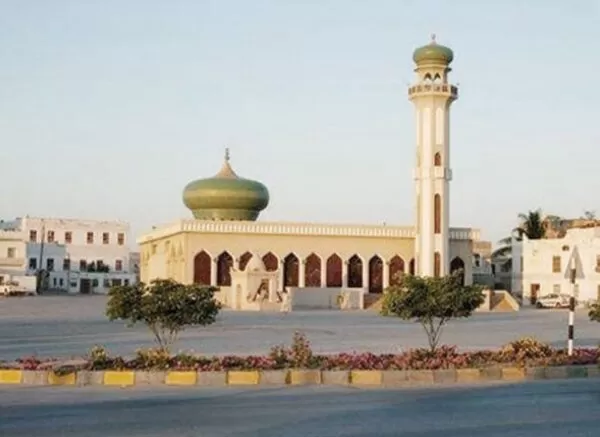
x=571 y=331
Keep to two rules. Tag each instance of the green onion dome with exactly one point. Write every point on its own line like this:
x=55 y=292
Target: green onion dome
x=433 y=53
x=226 y=196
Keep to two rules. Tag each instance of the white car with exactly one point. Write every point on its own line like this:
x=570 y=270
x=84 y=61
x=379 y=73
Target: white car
x=553 y=301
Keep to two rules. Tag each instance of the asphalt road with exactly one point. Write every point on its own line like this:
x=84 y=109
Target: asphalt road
x=67 y=326
x=538 y=409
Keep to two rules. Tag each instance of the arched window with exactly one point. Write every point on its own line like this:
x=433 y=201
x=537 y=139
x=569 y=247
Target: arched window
x=334 y=271
x=312 y=271
x=437 y=159
x=247 y=256
x=375 y=275
x=437 y=214
x=291 y=270
x=458 y=264
x=396 y=269
x=271 y=262
x=202 y=268
x=411 y=267
x=355 y=276
x=224 y=264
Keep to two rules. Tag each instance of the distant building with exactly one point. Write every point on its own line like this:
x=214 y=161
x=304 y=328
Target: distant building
x=12 y=253
x=541 y=267
x=75 y=255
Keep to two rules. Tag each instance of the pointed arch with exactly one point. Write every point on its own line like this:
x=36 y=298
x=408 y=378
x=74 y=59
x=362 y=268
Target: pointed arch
x=270 y=261
x=437 y=214
x=202 y=268
x=334 y=271
x=312 y=271
x=224 y=264
x=437 y=265
x=375 y=274
x=411 y=267
x=246 y=256
x=437 y=159
x=396 y=270
x=458 y=264
x=291 y=270
x=355 y=272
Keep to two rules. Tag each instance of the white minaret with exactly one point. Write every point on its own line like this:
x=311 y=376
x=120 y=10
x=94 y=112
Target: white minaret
x=432 y=96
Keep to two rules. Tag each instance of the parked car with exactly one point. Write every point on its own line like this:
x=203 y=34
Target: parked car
x=553 y=301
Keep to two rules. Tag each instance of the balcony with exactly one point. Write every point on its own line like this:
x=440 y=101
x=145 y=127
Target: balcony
x=12 y=262
x=15 y=235
x=436 y=89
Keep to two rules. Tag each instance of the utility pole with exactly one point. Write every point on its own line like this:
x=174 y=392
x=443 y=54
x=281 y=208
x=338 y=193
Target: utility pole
x=41 y=260
x=571 y=330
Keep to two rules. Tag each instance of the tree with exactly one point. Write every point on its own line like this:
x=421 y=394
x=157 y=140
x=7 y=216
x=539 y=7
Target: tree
x=432 y=302
x=594 y=313
x=532 y=225
x=165 y=306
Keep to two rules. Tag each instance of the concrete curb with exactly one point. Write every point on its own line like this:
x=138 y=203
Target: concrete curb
x=356 y=378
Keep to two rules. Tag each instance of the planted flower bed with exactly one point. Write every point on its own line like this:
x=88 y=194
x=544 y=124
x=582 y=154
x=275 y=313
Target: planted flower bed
x=521 y=353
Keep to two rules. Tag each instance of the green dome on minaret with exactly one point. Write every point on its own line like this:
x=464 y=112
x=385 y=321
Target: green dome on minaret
x=226 y=196
x=433 y=53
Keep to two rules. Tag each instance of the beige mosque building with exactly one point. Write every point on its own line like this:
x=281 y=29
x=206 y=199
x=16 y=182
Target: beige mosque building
x=225 y=234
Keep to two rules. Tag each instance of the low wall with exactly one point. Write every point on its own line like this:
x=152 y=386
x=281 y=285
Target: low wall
x=359 y=378
x=326 y=298
x=486 y=306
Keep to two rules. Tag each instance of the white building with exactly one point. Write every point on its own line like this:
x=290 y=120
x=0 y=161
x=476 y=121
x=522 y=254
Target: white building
x=78 y=255
x=12 y=253
x=542 y=267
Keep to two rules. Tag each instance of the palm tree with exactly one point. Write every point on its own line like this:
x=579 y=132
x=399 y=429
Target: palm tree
x=533 y=226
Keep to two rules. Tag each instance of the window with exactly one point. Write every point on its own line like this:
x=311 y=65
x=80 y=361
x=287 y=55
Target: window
x=121 y=238
x=54 y=282
x=32 y=236
x=106 y=283
x=66 y=264
x=556 y=268
x=61 y=282
x=437 y=214
x=105 y=238
x=82 y=265
x=125 y=282
x=556 y=289
x=50 y=264
x=68 y=237
x=116 y=282
x=598 y=263
x=32 y=263
x=11 y=252
x=118 y=265
x=95 y=282
x=50 y=236
x=90 y=238
x=437 y=159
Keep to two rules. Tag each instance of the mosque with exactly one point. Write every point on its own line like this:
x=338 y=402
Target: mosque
x=225 y=233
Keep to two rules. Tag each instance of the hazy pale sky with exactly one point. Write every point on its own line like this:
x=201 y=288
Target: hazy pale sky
x=108 y=108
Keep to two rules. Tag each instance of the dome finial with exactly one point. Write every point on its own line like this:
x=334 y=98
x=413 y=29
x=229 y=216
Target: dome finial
x=227 y=156
x=433 y=39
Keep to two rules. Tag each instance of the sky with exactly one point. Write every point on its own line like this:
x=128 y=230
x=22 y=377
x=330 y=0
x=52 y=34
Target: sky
x=109 y=108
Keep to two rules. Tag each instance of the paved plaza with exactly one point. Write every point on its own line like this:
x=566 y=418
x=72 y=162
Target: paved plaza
x=69 y=326
x=537 y=409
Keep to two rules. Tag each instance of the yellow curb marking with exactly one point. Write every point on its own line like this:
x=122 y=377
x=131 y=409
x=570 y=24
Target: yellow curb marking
x=243 y=377
x=10 y=376
x=119 y=378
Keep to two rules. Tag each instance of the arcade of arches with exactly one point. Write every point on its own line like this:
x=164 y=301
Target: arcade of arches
x=374 y=273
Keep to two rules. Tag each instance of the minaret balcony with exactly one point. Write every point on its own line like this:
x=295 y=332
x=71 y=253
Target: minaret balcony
x=442 y=89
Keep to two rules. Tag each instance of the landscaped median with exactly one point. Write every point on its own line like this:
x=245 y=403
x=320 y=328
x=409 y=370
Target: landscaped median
x=522 y=360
